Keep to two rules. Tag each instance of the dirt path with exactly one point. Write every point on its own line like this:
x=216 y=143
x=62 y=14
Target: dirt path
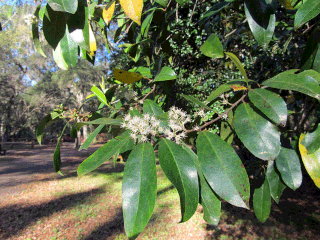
x=23 y=165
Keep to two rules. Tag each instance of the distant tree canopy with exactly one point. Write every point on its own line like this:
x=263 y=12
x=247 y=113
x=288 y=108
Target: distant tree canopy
x=196 y=80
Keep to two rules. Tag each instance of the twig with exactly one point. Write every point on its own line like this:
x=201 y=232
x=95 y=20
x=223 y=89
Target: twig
x=233 y=31
x=126 y=31
x=194 y=8
x=220 y=116
x=151 y=91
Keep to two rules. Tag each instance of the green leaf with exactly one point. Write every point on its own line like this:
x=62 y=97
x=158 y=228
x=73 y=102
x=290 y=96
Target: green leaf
x=306 y=82
x=78 y=25
x=311 y=162
x=35 y=32
x=226 y=132
x=257 y=134
x=100 y=156
x=238 y=64
x=56 y=154
x=144 y=71
x=212 y=11
x=306 y=12
x=275 y=183
x=89 y=140
x=223 y=88
x=271 y=104
x=146 y=25
x=139 y=189
x=45 y=122
x=181 y=2
x=152 y=108
x=163 y=3
x=288 y=164
x=208 y=199
x=196 y=101
x=311 y=54
x=58 y=58
x=165 y=74
x=54 y=26
x=99 y=94
x=222 y=169
x=212 y=47
x=261 y=21
x=312 y=141
x=181 y=171
x=69 y=6
x=69 y=49
x=262 y=202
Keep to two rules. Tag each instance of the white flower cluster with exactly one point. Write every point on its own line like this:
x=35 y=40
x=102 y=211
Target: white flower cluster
x=142 y=128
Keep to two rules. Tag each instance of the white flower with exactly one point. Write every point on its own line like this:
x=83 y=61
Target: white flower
x=146 y=116
x=160 y=129
x=225 y=116
x=196 y=128
x=155 y=123
x=123 y=125
x=127 y=117
x=201 y=113
x=143 y=138
x=134 y=136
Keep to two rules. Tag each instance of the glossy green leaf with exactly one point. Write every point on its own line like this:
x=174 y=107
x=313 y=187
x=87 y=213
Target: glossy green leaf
x=261 y=22
x=146 y=25
x=271 y=104
x=78 y=25
x=309 y=10
x=89 y=140
x=288 y=164
x=139 y=189
x=54 y=26
x=165 y=74
x=222 y=169
x=100 y=156
x=45 y=122
x=181 y=171
x=212 y=47
x=238 y=64
x=163 y=3
x=58 y=58
x=144 y=71
x=69 y=6
x=56 y=154
x=306 y=82
x=311 y=162
x=35 y=32
x=100 y=95
x=196 y=101
x=312 y=141
x=275 y=183
x=181 y=2
x=226 y=132
x=152 y=108
x=208 y=199
x=311 y=56
x=257 y=134
x=69 y=49
x=212 y=11
x=223 y=89
x=262 y=202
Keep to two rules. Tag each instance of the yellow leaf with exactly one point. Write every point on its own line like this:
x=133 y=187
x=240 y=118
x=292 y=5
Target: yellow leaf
x=108 y=12
x=238 y=87
x=126 y=77
x=92 y=42
x=133 y=9
x=286 y=3
x=311 y=162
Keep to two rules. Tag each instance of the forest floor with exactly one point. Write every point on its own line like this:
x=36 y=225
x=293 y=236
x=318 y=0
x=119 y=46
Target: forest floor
x=36 y=203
